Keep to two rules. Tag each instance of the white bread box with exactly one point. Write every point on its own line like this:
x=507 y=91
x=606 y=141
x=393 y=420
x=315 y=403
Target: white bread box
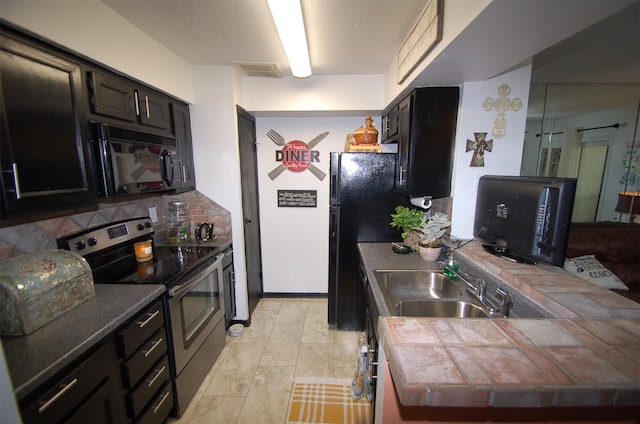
x=38 y=287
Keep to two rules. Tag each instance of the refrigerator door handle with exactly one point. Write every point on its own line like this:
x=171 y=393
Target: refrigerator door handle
x=334 y=188
x=333 y=224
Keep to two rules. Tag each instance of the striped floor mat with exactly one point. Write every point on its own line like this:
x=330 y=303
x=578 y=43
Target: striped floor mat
x=327 y=402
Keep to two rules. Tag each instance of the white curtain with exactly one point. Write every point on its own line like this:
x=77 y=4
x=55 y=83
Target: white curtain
x=570 y=155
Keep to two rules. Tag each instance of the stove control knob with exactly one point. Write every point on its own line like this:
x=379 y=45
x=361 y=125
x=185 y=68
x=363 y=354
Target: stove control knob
x=92 y=241
x=80 y=245
x=140 y=227
x=147 y=224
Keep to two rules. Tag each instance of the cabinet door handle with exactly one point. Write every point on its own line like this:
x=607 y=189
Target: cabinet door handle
x=135 y=96
x=155 y=377
x=155 y=344
x=146 y=104
x=164 y=397
x=65 y=388
x=145 y=322
x=402 y=173
x=16 y=181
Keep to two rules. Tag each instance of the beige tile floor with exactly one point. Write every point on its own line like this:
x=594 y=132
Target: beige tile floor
x=252 y=379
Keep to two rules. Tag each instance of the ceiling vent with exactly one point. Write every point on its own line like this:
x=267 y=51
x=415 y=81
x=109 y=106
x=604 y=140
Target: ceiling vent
x=248 y=69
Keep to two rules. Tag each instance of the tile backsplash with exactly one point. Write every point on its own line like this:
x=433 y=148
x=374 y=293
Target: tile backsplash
x=40 y=235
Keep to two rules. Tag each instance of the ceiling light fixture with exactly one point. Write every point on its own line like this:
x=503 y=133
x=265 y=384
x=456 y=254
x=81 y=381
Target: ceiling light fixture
x=287 y=14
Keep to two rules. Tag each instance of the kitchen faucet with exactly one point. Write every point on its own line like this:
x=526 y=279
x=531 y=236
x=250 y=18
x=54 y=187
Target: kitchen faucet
x=478 y=287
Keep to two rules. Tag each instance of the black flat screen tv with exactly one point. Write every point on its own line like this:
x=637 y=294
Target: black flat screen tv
x=525 y=219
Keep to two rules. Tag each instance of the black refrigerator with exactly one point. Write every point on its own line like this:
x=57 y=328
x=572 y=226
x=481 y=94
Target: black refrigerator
x=363 y=196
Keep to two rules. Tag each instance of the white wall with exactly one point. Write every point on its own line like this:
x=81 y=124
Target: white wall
x=92 y=29
x=506 y=155
x=217 y=163
x=295 y=250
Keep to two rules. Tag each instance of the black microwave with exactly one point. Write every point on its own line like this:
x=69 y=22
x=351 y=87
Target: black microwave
x=133 y=162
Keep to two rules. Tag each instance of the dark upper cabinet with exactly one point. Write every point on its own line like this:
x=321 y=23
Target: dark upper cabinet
x=112 y=96
x=116 y=97
x=390 y=125
x=153 y=109
x=427 y=120
x=44 y=152
x=182 y=132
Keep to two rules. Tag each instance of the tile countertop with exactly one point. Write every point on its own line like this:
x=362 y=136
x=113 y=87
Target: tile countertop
x=34 y=358
x=584 y=355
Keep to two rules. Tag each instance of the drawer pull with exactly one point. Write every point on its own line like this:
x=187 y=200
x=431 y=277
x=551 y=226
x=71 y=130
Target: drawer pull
x=65 y=389
x=151 y=316
x=155 y=377
x=164 y=397
x=155 y=344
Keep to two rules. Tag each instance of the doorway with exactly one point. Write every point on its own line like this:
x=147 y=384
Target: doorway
x=589 y=184
x=250 y=205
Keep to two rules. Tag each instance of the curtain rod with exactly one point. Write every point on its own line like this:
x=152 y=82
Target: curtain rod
x=616 y=126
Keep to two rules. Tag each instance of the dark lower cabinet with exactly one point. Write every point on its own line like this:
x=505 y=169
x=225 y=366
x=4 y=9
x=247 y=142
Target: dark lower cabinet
x=229 y=287
x=126 y=379
x=371 y=330
x=146 y=377
x=90 y=392
x=44 y=152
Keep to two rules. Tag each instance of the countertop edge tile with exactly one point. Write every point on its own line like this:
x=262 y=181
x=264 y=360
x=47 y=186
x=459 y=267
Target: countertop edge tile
x=561 y=388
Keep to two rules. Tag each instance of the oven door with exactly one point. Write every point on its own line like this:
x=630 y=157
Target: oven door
x=134 y=162
x=195 y=308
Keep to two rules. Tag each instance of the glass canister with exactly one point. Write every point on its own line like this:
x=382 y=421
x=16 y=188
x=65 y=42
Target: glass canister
x=177 y=222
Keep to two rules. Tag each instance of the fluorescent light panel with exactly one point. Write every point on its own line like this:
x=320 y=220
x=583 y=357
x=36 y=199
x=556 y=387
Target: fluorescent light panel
x=287 y=14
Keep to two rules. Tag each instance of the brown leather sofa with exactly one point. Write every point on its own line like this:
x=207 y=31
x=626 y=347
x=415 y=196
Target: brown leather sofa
x=616 y=245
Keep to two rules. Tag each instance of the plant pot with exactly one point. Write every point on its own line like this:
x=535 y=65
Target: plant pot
x=412 y=239
x=429 y=253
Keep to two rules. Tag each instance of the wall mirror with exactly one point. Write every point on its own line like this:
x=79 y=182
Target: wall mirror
x=583 y=117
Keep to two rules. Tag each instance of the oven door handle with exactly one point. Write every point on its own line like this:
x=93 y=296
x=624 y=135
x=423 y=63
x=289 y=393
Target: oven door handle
x=181 y=289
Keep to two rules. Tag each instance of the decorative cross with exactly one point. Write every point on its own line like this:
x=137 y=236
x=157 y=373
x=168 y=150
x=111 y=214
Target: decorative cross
x=479 y=146
x=501 y=105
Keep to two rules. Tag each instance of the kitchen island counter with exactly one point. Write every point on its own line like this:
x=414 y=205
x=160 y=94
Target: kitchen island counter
x=584 y=355
x=36 y=357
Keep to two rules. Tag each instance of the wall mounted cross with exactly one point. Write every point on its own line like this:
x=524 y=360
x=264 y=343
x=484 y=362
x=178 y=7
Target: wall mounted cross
x=479 y=145
x=501 y=104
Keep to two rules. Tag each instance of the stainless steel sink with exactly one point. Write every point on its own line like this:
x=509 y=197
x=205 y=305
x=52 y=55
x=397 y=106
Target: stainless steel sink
x=423 y=284
x=427 y=293
x=439 y=309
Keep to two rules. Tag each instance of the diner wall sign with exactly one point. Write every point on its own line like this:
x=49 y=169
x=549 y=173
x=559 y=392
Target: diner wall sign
x=424 y=36
x=296 y=155
x=298 y=198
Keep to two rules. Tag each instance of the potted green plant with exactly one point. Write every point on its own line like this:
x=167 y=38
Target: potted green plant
x=409 y=222
x=432 y=229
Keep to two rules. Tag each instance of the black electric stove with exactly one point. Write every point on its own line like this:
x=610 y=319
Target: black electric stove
x=109 y=249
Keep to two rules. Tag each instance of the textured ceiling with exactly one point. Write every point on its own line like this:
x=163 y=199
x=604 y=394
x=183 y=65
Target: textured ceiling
x=344 y=36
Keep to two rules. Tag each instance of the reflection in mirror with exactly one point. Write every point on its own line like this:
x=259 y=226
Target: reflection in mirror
x=583 y=117
x=588 y=132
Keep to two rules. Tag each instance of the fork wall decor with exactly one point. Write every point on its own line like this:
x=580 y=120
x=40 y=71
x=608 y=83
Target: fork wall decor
x=296 y=155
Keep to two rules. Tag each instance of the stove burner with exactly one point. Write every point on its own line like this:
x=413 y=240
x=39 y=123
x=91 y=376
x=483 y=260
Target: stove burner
x=109 y=250
x=167 y=264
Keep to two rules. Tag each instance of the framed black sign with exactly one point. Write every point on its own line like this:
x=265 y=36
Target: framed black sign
x=297 y=198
